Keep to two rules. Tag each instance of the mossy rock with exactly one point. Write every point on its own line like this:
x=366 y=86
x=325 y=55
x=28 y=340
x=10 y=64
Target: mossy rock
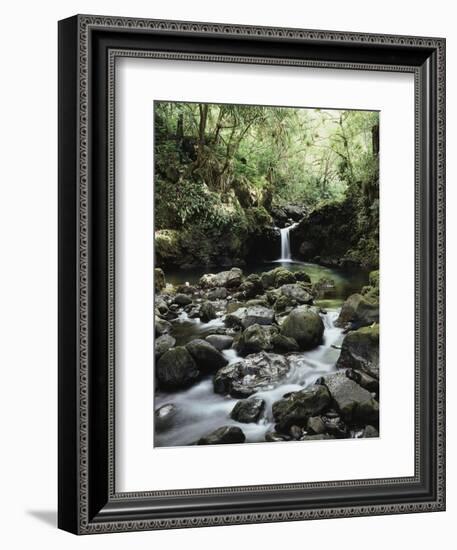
x=360 y=351
x=305 y=326
x=167 y=247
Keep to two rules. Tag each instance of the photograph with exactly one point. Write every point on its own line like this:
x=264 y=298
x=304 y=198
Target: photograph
x=266 y=273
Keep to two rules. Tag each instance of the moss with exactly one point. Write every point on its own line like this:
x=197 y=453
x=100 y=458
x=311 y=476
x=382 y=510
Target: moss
x=167 y=246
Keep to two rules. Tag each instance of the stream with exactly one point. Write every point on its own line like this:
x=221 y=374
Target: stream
x=200 y=410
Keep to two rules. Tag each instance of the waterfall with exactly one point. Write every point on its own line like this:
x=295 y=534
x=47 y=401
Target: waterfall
x=285 y=243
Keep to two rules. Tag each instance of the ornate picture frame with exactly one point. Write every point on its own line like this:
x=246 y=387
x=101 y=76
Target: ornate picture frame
x=88 y=48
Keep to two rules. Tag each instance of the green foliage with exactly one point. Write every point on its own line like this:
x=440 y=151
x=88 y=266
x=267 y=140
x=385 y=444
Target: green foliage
x=221 y=168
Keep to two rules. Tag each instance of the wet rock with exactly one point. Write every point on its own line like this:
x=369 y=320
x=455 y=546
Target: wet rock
x=352 y=401
x=284 y=304
x=315 y=425
x=219 y=293
x=182 y=299
x=186 y=289
x=297 y=293
x=207 y=312
x=284 y=344
x=225 y=434
x=161 y=326
x=159 y=279
x=233 y=306
x=302 y=276
x=176 y=369
x=161 y=306
x=252 y=286
x=360 y=351
x=220 y=341
x=366 y=381
x=164 y=417
x=336 y=427
x=248 y=410
x=206 y=356
x=247 y=316
x=228 y=279
x=258 y=372
x=304 y=326
x=358 y=312
x=298 y=407
x=276 y=277
x=296 y=432
x=162 y=344
x=273 y=437
x=255 y=338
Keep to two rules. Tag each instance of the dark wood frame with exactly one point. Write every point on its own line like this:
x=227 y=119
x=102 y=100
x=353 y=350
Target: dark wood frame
x=88 y=46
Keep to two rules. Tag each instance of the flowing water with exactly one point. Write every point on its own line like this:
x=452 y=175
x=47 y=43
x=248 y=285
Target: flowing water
x=285 y=243
x=200 y=410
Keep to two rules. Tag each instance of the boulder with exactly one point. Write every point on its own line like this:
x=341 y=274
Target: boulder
x=316 y=437
x=255 y=338
x=360 y=351
x=363 y=379
x=220 y=341
x=257 y=372
x=161 y=326
x=353 y=402
x=176 y=369
x=284 y=344
x=161 y=306
x=305 y=326
x=244 y=317
x=298 y=407
x=252 y=286
x=206 y=356
x=248 y=410
x=277 y=277
x=225 y=434
x=207 y=312
x=228 y=279
x=218 y=293
x=273 y=437
x=324 y=287
x=315 y=425
x=162 y=344
x=358 y=311
x=302 y=276
x=159 y=279
x=164 y=417
x=297 y=293
x=182 y=299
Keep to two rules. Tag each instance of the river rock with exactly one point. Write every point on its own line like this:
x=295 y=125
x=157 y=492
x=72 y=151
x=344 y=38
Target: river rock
x=324 y=287
x=255 y=338
x=206 y=356
x=218 y=293
x=316 y=437
x=302 y=276
x=159 y=279
x=225 y=434
x=228 y=279
x=273 y=437
x=220 y=341
x=182 y=299
x=162 y=344
x=207 y=312
x=257 y=372
x=248 y=410
x=161 y=326
x=246 y=316
x=304 y=326
x=277 y=277
x=298 y=407
x=353 y=402
x=176 y=369
x=161 y=306
x=297 y=293
x=315 y=425
x=363 y=379
x=284 y=344
x=360 y=351
x=358 y=311
x=252 y=286
x=164 y=417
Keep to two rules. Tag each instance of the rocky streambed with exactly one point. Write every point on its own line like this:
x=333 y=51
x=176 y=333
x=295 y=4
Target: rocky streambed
x=273 y=355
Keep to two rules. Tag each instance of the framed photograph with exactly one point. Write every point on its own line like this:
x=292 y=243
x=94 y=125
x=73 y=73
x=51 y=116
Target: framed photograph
x=251 y=274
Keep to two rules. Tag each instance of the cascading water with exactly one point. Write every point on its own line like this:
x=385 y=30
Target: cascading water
x=285 y=243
